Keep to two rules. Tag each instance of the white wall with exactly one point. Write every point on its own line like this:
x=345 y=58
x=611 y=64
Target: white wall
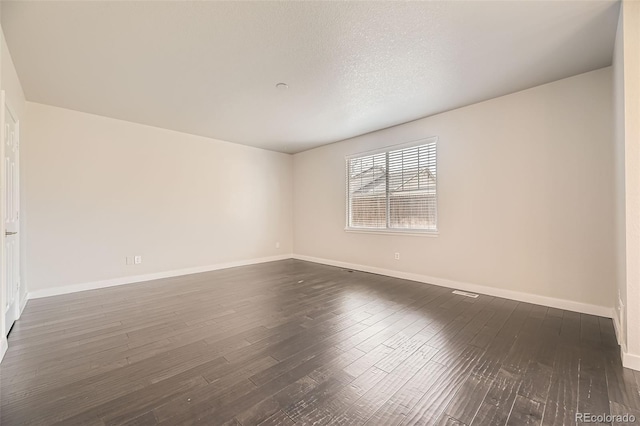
x=525 y=196
x=10 y=82
x=98 y=189
x=626 y=66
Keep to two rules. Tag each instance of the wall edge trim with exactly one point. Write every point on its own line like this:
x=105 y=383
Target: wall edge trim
x=4 y=345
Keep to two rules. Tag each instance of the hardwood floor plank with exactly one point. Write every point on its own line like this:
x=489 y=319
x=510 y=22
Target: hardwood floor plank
x=395 y=410
x=434 y=401
x=270 y=406
x=622 y=387
x=449 y=421
x=562 y=402
x=593 y=395
x=469 y=398
x=525 y=412
x=498 y=402
x=375 y=397
x=327 y=380
x=536 y=381
x=331 y=404
x=624 y=411
x=278 y=419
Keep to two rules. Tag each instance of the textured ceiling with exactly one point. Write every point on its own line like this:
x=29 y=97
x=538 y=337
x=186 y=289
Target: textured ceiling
x=210 y=68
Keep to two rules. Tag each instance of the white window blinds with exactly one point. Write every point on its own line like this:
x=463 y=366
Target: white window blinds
x=394 y=189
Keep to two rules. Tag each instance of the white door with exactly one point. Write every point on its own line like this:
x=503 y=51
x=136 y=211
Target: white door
x=11 y=219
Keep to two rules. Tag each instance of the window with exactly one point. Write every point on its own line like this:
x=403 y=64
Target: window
x=393 y=189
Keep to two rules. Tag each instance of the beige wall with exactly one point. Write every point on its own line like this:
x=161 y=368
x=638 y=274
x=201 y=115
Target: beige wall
x=97 y=190
x=525 y=195
x=626 y=66
x=632 y=141
x=10 y=82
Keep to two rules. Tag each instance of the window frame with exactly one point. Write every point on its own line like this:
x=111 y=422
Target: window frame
x=388 y=230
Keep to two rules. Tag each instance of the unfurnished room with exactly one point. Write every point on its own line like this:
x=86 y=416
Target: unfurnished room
x=320 y=212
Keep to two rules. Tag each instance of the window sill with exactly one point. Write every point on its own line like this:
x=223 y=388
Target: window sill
x=412 y=233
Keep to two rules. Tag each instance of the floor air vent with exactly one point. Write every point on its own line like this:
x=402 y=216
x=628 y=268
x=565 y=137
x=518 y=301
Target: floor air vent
x=465 y=293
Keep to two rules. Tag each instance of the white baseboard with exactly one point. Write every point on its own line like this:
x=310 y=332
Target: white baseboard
x=569 y=305
x=616 y=327
x=631 y=361
x=4 y=345
x=73 y=288
x=23 y=304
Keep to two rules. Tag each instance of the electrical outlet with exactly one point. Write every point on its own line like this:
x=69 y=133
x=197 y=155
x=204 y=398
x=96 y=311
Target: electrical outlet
x=278 y=244
x=128 y=260
x=137 y=260
x=396 y=256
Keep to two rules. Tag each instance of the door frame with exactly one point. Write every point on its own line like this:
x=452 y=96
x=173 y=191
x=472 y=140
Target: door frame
x=20 y=301
x=16 y=308
x=3 y=284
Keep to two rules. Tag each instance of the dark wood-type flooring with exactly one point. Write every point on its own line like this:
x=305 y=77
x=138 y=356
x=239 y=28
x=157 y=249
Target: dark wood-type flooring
x=293 y=342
